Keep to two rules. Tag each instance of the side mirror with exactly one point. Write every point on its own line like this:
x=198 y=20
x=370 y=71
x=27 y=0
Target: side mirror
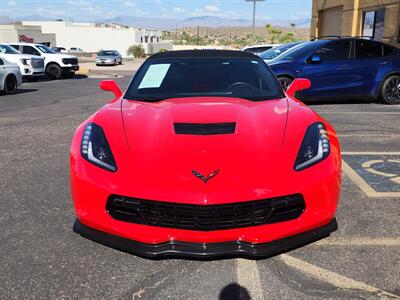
x=111 y=86
x=316 y=59
x=298 y=84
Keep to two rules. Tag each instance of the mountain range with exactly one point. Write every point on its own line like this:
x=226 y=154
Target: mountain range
x=169 y=23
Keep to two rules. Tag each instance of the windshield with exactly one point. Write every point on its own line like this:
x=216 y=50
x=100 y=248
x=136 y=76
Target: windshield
x=274 y=52
x=5 y=49
x=299 y=51
x=45 y=49
x=246 y=78
x=107 y=53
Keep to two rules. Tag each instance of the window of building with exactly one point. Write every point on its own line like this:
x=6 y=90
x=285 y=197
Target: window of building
x=368 y=49
x=337 y=50
x=146 y=39
x=373 y=24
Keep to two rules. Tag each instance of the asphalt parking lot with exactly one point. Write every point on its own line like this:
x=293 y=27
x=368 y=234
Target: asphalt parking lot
x=42 y=258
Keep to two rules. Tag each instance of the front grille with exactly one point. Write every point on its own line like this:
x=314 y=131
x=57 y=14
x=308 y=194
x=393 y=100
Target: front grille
x=70 y=61
x=37 y=63
x=205 y=217
x=204 y=129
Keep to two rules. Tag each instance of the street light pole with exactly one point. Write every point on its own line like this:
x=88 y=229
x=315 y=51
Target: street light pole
x=254 y=16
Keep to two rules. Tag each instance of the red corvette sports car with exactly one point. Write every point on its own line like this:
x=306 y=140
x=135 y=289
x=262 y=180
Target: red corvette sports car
x=205 y=155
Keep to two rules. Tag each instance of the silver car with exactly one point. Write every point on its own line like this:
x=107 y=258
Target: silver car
x=108 y=57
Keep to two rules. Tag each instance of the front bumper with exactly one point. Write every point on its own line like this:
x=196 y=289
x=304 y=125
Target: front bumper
x=70 y=69
x=105 y=63
x=205 y=250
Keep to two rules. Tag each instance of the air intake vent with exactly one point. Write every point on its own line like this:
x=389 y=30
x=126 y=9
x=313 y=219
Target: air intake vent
x=205 y=217
x=204 y=129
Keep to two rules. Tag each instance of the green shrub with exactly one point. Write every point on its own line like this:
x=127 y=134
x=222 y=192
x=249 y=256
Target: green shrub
x=136 y=51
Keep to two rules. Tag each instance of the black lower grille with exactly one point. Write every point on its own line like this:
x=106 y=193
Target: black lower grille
x=205 y=217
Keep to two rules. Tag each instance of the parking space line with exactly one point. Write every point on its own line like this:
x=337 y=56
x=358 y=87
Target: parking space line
x=333 y=278
x=359 y=241
x=248 y=277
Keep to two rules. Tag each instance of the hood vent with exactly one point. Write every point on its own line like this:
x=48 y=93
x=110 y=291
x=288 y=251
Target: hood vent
x=204 y=129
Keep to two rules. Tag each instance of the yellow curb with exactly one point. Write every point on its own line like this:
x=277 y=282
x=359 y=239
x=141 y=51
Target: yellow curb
x=83 y=71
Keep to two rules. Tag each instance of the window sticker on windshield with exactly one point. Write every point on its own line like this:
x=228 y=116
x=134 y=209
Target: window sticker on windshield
x=154 y=76
x=254 y=62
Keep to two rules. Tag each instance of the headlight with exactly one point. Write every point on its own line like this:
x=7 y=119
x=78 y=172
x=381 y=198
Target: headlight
x=95 y=148
x=314 y=148
x=25 y=61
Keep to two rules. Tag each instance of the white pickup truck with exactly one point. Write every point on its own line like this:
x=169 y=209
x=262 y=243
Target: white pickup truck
x=10 y=77
x=31 y=66
x=57 y=65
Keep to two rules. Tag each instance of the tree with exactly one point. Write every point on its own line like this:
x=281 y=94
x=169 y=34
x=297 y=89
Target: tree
x=136 y=51
x=292 y=25
x=273 y=33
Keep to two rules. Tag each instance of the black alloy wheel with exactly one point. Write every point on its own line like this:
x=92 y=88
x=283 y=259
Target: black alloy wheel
x=10 y=85
x=285 y=82
x=390 y=92
x=54 y=71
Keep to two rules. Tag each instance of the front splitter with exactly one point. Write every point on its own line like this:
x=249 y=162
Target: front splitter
x=206 y=250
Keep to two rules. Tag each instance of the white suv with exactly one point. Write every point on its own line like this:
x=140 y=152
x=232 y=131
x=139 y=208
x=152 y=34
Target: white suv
x=10 y=77
x=31 y=66
x=57 y=65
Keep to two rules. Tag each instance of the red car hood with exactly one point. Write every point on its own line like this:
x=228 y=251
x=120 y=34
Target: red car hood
x=161 y=162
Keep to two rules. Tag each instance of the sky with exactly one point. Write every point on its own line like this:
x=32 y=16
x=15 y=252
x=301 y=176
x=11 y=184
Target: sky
x=89 y=10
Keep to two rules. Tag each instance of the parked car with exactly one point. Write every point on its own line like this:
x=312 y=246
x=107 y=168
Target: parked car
x=258 y=49
x=59 y=49
x=75 y=50
x=276 y=51
x=31 y=66
x=57 y=65
x=343 y=68
x=10 y=77
x=205 y=155
x=108 y=57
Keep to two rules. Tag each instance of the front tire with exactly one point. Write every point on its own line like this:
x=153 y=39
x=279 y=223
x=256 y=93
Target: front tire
x=54 y=71
x=285 y=82
x=10 y=85
x=390 y=91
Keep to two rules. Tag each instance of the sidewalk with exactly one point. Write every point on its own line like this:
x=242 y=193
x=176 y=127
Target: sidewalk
x=85 y=68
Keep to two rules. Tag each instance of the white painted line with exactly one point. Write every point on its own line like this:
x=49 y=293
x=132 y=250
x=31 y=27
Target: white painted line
x=369 y=153
x=248 y=277
x=359 y=241
x=333 y=278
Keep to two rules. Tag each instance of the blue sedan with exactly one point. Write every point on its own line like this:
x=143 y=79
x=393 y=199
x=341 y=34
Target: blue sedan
x=342 y=69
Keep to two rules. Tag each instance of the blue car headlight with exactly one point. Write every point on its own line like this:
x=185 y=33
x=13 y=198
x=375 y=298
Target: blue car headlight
x=314 y=148
x=95 y=148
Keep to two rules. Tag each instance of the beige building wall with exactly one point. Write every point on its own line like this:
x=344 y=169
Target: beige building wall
x=10 y=34
x=352 y=17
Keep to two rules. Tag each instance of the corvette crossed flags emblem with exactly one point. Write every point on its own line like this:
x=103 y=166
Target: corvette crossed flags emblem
x=205 y=178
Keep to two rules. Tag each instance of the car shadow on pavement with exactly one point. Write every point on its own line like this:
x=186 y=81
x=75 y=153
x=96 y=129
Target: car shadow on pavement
x=23 y=91
x=234 y=291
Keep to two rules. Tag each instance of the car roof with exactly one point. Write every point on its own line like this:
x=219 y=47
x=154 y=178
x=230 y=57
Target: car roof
x=203 y=53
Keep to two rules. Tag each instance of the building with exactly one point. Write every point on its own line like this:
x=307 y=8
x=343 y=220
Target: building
x=14 y=33
x=378 y=19
x=91 y=37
